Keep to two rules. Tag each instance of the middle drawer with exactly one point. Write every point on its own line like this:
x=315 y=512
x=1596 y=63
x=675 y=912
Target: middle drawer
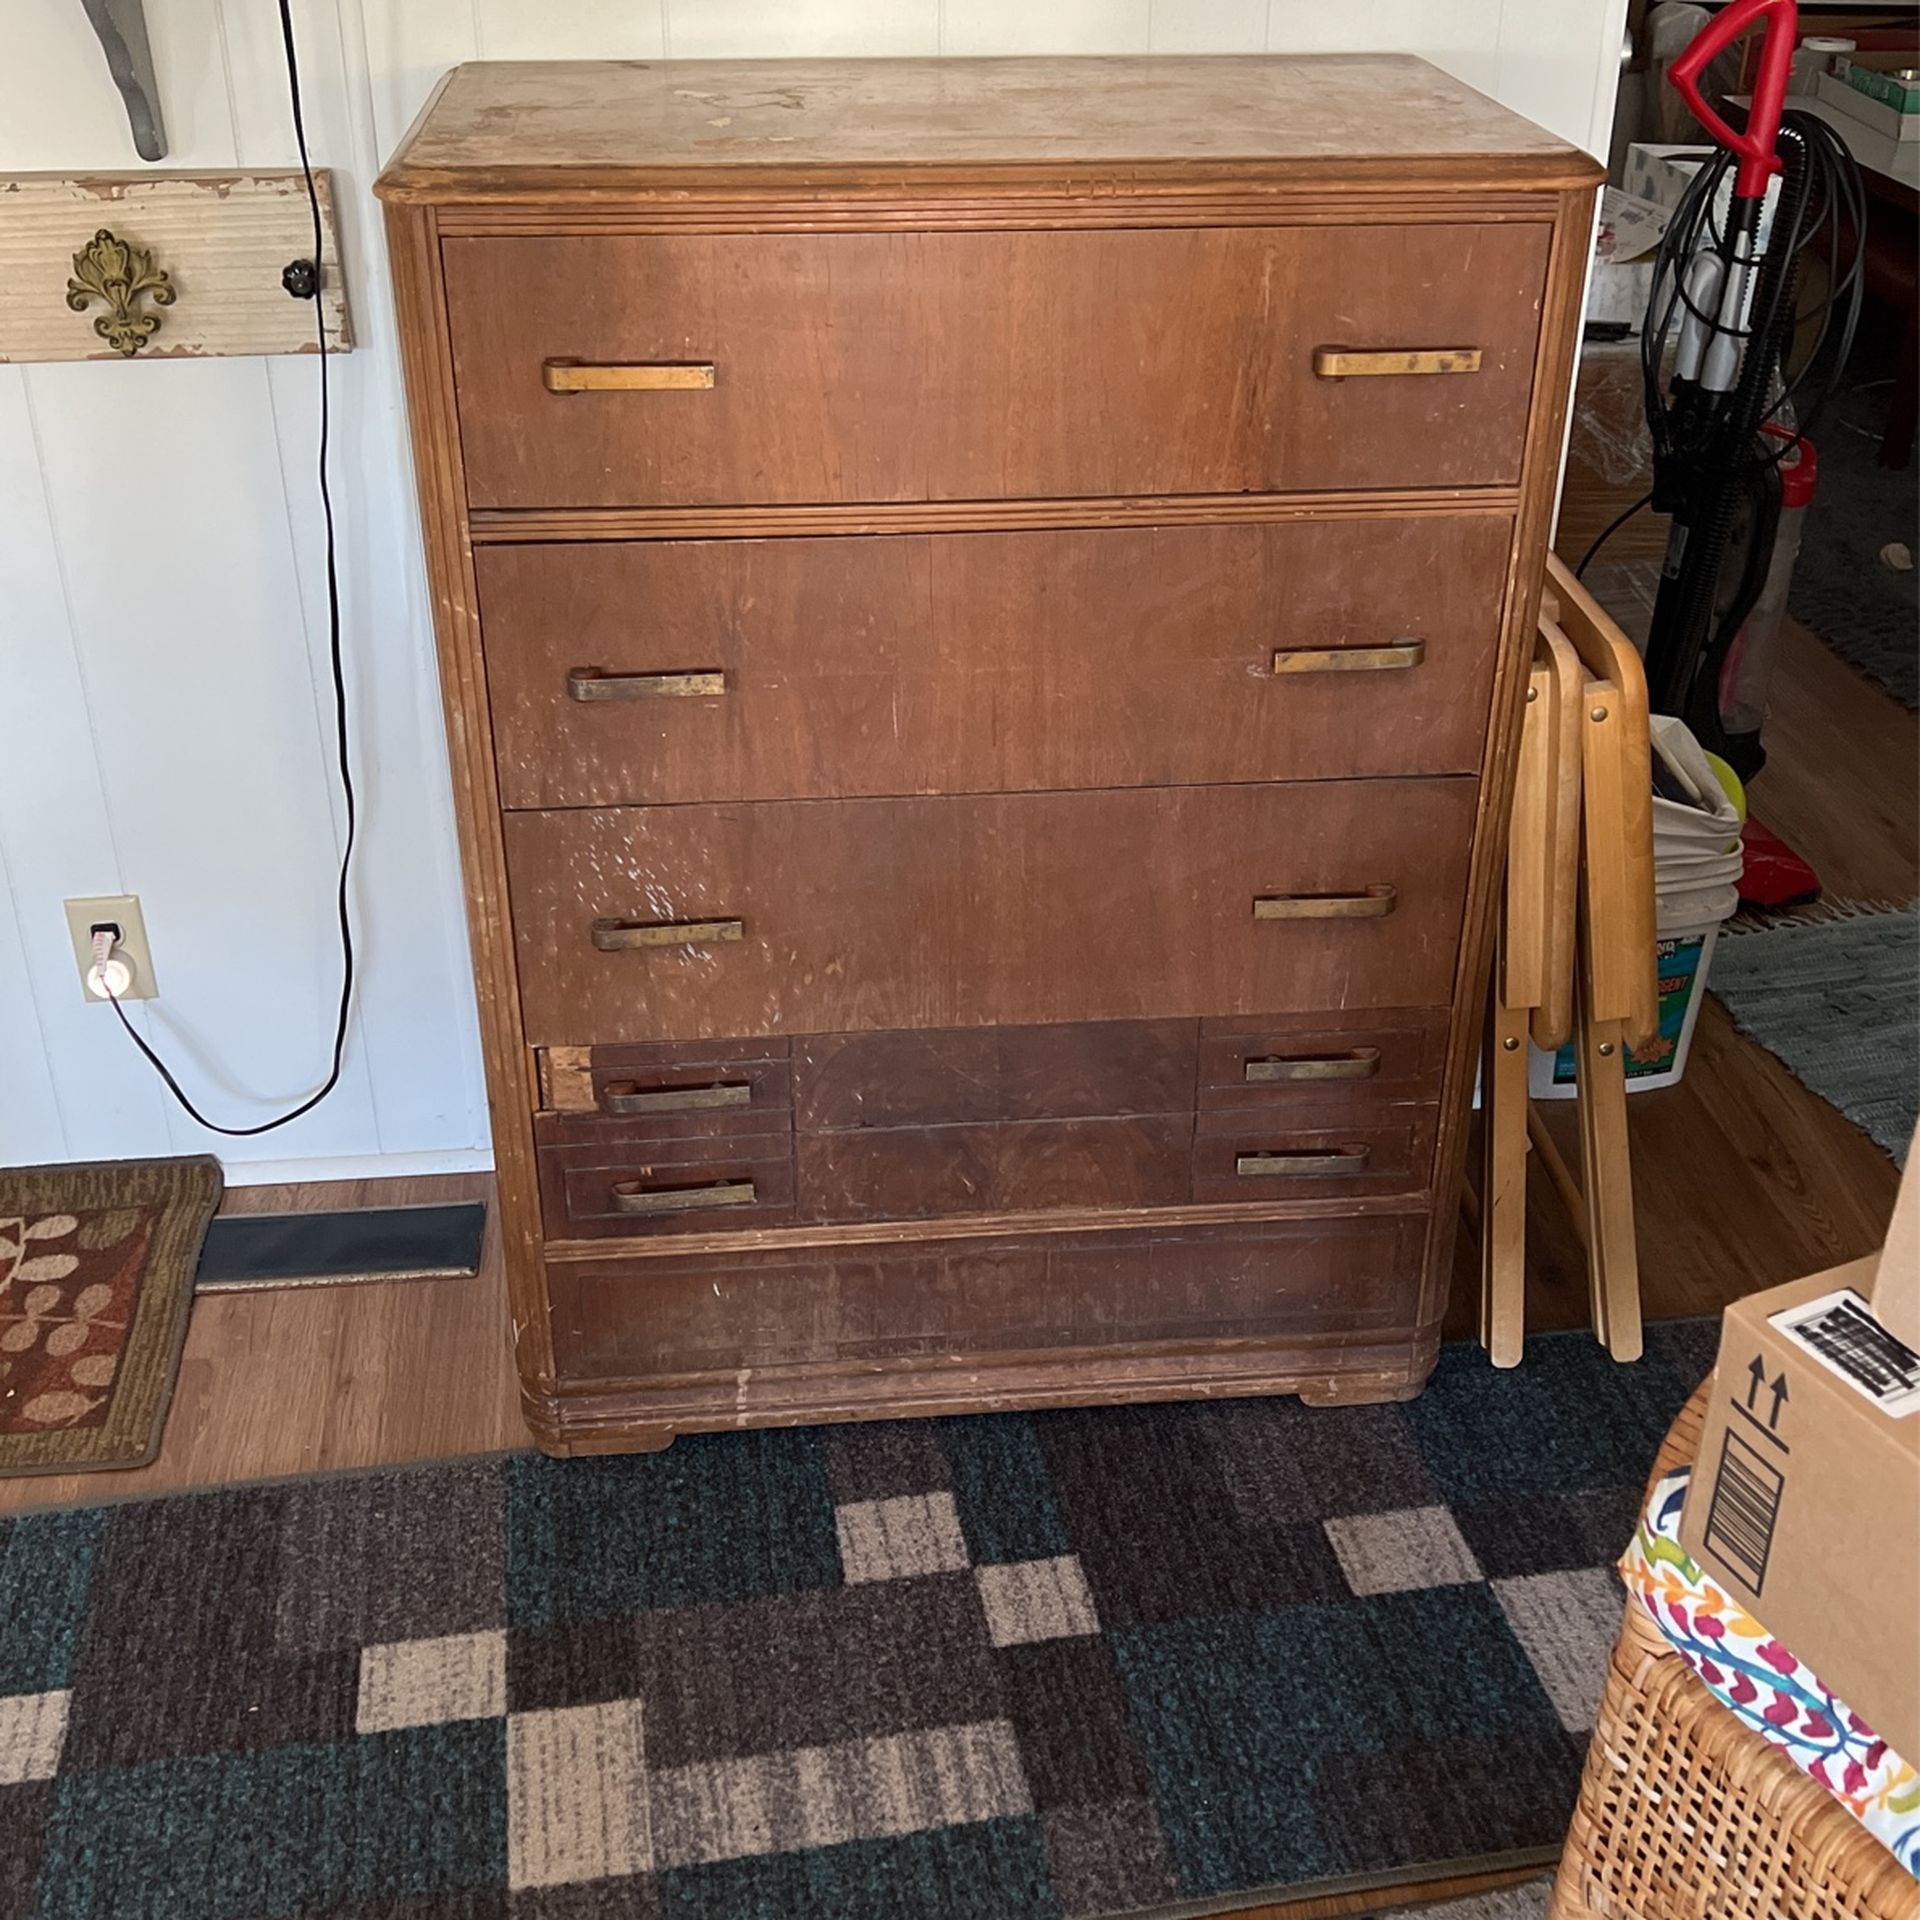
x=842 y=916
x=990 y=662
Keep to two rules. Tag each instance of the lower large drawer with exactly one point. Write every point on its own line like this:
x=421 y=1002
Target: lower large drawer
x=964 y=1301
x=692 y=922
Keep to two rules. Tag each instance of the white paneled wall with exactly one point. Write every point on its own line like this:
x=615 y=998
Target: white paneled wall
x=164 y=709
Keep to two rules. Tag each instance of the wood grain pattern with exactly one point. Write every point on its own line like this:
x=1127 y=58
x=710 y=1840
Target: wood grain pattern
x=993 y=909
x=948 y=1307
x=413 y=247
x=1002 y=374
x=548 y=130
x=972 y=1074
x=991 y=662
x=1008 y=1166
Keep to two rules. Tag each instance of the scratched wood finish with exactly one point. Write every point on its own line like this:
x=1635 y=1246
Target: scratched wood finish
x=561 y=132
x=952 y=1304
x=982 y=366
x=1008 y=1166
x=987 y=909
x=953 y=1076
x=1024 y=352
x=971 y=663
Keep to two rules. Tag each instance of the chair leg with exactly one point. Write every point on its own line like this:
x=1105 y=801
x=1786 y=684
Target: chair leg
x=1613 y=1266
x=1503 y=1184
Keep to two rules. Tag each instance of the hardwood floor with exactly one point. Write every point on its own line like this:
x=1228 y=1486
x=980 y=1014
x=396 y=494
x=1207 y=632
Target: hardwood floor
x=1742 y=1179
x=310 y=1379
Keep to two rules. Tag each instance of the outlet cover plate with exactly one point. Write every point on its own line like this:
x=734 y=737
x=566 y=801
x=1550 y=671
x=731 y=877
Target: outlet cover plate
x=123 y=911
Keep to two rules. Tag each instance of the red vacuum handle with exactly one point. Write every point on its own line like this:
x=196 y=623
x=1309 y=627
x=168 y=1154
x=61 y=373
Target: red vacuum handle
x=1758 y=160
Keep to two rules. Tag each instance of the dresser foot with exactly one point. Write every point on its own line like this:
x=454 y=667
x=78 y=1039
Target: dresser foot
x=1361 y=1390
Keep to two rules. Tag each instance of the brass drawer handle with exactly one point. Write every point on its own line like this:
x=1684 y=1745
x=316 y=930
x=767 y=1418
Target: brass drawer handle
x=629 y=1196
x=1346 y=363
x=1261 y=1166
x=624 y=1097
x=1403 y=653
x=589 y=683
x=1361 y=1064
x=616 y=936
x=1373 y=904
x=586 y=376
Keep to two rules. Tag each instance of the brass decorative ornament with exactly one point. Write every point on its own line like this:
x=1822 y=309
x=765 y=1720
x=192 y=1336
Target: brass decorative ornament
x=121 y=276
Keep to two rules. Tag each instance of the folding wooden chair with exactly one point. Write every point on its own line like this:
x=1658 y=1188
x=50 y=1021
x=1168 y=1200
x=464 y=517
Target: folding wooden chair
x=1574 y=958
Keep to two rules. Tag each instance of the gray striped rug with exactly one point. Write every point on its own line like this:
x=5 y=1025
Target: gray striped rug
x=1837 y=1002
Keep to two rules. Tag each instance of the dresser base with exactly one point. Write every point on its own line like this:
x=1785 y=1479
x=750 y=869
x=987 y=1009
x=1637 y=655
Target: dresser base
x=628 y=1416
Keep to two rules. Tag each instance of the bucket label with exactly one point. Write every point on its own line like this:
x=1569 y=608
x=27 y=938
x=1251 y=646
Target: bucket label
x=1678 y=965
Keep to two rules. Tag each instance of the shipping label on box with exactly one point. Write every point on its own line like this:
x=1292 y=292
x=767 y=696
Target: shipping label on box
x=1804 y=1502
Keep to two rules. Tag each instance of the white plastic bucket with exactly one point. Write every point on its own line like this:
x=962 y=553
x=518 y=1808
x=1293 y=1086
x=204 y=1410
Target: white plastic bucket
x=1684 y=953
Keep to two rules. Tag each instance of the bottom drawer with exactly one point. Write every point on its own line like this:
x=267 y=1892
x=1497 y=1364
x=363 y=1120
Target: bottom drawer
x=961 y=1302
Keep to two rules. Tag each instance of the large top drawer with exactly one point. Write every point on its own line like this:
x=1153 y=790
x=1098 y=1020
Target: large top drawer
x=991 y=365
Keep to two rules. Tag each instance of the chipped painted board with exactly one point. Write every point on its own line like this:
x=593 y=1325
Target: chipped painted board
x=221 y=238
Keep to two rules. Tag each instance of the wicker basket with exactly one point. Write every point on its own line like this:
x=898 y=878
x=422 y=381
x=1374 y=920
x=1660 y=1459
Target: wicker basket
x=1686 y=1815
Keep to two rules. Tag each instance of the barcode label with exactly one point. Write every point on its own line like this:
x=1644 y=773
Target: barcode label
x=1744 y=1510
x=1840 y=1332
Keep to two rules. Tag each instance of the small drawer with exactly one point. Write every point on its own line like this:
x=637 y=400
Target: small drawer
x=669 y=1186
x=1318 y=1060
x=669 y=1091
x=756 y=369
x=1247 y=1156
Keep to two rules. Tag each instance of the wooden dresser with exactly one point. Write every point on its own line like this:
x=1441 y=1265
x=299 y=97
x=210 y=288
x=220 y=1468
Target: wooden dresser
x=982 y=608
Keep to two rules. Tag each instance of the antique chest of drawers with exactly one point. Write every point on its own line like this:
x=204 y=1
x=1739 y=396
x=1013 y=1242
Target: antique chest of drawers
x=982 y=609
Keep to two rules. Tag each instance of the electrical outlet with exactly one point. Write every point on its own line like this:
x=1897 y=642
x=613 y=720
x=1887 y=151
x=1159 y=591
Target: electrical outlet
x=120 y=910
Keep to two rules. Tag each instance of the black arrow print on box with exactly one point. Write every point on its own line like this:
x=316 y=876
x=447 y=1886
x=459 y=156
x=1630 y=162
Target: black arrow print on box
x=1779 y=1401
x=1756 y=1379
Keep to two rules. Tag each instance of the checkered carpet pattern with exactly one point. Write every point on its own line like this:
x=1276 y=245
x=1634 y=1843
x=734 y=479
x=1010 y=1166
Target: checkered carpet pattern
x=1063 y=1664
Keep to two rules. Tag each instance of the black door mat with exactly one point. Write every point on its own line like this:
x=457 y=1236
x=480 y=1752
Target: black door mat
x=245 y=1250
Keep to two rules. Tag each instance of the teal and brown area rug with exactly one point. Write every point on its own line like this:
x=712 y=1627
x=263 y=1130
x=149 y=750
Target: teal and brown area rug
x=1007 y=1667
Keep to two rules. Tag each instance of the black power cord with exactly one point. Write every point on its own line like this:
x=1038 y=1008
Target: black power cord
x=295 y=282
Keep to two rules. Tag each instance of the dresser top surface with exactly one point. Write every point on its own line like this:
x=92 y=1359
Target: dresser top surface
x=506 y=129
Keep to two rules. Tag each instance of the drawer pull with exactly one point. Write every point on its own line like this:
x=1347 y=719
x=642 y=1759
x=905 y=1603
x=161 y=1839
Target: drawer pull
x=616 y=936
x=589 y=683
x=1375 y=903
x=629 y=1196
x=1361 y=1064
x=1262 y=1166
x=624 y=1097
x=1403 y=653
x=585 y=376
x=1345 y=363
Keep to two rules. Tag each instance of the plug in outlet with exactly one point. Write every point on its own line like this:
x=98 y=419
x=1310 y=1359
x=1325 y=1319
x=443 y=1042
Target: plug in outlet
x=120 y=911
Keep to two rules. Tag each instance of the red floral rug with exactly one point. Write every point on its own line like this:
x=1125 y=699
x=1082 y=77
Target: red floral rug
x=96 y=1280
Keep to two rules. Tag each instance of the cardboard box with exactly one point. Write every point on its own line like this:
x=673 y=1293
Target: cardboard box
x=1805 y=1500
x=1623 y=248
x=1834 y=92
x=1662 y=173
x=1896 y=1287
